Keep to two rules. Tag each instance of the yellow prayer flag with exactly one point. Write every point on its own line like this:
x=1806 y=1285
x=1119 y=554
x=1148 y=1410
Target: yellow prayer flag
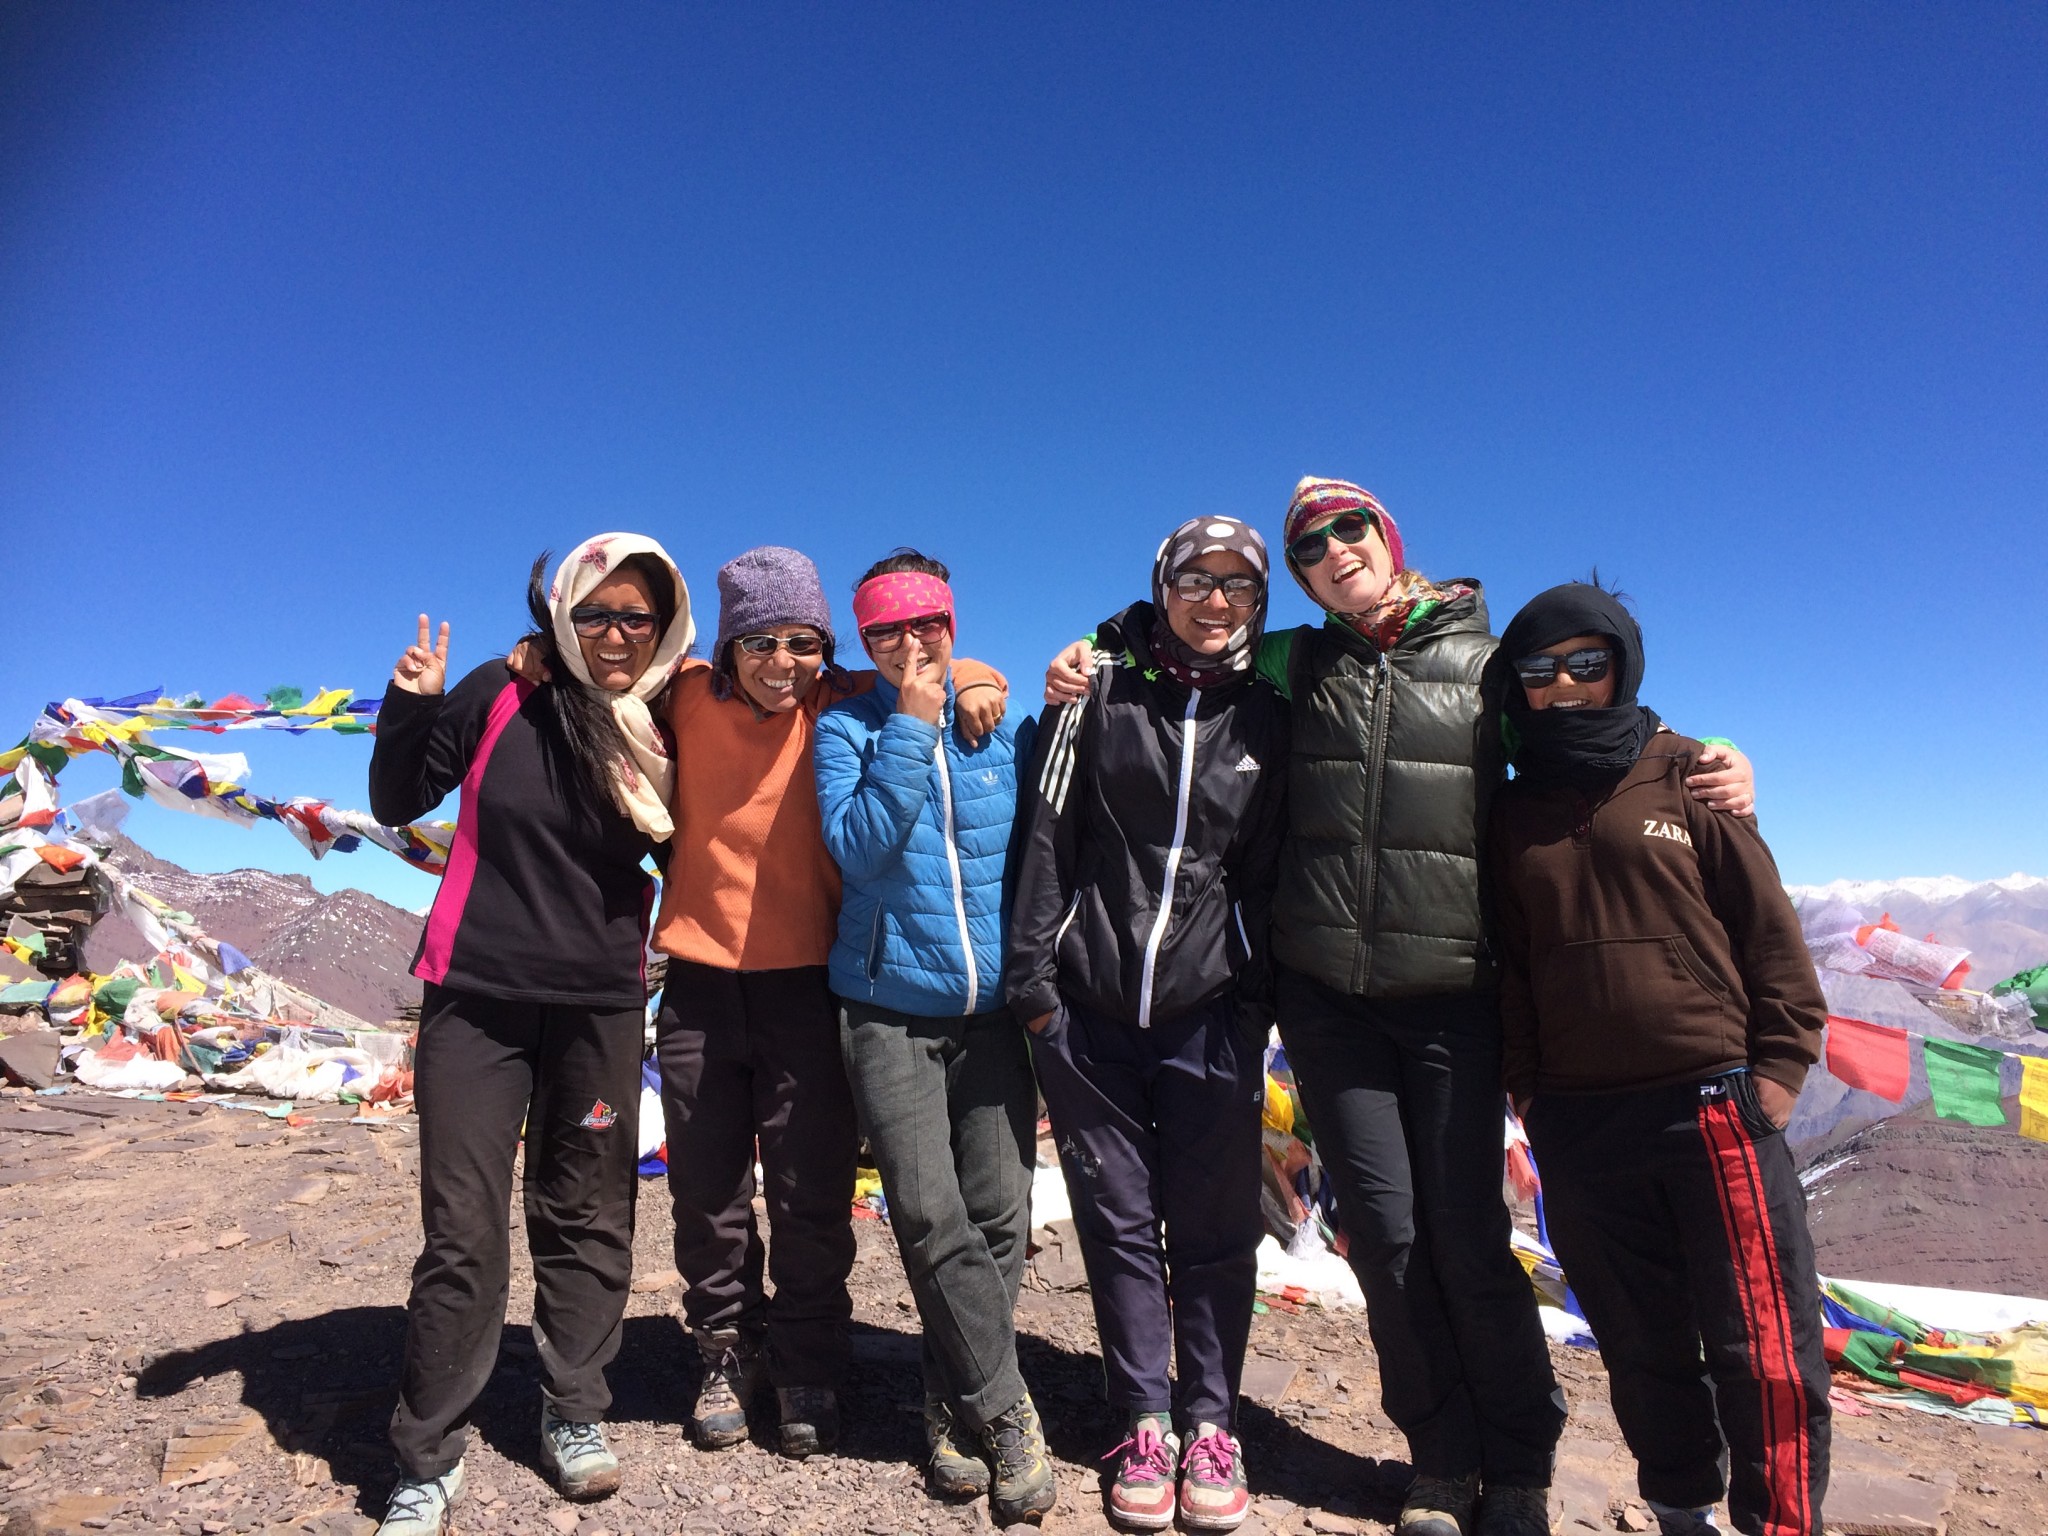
x=2034 y=1097
x=326 y=702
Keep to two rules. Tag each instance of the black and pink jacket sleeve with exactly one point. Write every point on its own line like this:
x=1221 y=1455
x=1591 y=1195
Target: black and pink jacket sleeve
x=545 y=899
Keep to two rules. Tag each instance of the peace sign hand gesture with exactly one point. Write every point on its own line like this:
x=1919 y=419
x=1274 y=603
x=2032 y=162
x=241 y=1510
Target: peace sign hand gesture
x=420 y=669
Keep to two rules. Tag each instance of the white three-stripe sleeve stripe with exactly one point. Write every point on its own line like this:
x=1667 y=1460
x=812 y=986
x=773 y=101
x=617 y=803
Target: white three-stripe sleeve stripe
x=1188 y=731
x=1058 y=773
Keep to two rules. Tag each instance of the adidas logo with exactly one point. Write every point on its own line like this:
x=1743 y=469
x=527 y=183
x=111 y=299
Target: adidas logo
x=1246 y=764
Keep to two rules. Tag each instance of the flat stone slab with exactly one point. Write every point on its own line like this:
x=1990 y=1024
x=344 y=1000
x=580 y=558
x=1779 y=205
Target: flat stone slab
x=1266 y=1380
x=1861 y=1502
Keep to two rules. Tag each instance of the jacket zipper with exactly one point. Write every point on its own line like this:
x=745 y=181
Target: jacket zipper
x=1073 y=908
x=1188 y=732
x=875 y=943
x=1237 y=912
x=1368 y=891
x=953 y=866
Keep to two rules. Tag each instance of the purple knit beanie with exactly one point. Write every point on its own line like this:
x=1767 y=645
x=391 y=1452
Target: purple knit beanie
x=760 y=589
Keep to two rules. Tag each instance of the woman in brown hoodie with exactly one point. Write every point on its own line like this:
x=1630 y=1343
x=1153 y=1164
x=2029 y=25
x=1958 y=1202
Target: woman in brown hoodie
x=1659 y=1013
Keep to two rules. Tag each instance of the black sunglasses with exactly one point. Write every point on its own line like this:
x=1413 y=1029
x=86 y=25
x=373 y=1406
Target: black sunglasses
x=1349 y=527
x=633 y=623
x=1587 y=666
x=801 y=644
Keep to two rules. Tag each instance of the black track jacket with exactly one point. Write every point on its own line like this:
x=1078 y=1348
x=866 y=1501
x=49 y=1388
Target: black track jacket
x=1148 y=842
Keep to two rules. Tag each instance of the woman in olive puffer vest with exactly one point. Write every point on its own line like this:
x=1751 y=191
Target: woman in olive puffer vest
x=1385 y=995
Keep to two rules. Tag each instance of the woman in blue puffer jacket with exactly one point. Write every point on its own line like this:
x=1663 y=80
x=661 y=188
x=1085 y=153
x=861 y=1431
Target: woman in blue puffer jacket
x=920 y=828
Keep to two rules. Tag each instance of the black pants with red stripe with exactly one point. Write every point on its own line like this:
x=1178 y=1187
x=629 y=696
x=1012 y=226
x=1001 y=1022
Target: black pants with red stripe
x=1679 y=1221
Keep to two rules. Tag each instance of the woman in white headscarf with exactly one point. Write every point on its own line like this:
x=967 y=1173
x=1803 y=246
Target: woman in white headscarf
x=535 y=1000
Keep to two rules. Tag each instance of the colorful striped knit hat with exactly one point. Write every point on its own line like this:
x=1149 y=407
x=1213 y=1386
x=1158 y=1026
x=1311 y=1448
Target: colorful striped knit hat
x=1317 y=498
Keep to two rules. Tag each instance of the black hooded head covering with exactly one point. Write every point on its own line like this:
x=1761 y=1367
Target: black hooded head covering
x=1583 y=749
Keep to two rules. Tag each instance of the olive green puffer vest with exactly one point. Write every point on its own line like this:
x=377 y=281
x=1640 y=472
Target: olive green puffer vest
x=1394 y=764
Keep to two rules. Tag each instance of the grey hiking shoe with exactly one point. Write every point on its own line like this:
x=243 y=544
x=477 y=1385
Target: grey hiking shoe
x=1439 y=1506
x=951 y=1471
x=1023 y=1488
x=1514 y=1512
x=576 y=1458
x=421 y=1508
x=732 y=1370
x=810 y=1421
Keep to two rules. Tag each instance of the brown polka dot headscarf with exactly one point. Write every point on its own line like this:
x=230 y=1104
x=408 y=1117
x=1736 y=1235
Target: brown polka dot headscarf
x=1194 y=538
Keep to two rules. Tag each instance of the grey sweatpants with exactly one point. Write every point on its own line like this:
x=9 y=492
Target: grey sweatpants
x=949 y=1107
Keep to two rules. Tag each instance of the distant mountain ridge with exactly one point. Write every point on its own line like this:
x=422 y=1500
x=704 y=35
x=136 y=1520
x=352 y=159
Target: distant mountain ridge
x=348 y=948
x=2003 y=923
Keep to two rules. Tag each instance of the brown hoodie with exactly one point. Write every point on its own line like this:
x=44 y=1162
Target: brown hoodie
x=1645 y=939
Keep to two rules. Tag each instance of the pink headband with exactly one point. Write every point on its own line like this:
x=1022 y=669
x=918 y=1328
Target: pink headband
x=902 y=595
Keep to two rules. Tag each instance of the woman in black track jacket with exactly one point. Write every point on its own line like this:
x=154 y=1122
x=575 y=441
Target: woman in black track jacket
x=1148 y=837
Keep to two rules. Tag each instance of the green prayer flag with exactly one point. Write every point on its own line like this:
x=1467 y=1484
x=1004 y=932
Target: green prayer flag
x=113 y=996
x=1965 y=1082
x=284 y=698
x=2034 y=984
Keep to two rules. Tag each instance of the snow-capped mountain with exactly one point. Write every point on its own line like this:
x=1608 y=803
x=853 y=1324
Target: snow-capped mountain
x=2003 y=923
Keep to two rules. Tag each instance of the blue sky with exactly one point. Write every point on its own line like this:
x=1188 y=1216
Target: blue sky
x=312 y=317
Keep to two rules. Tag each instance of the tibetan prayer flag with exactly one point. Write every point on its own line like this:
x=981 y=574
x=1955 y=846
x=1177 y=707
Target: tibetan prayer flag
x=1965 y=1082
x=1869 y=1056
x=2034 y=984
x=2034 y=1097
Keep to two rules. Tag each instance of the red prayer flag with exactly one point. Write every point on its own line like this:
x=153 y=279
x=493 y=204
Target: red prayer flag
x=1869 y=1056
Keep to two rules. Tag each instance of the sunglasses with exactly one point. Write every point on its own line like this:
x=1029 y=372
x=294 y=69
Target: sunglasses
x=1348 y=527
x=804 y=644
x=887 y=637
x=1587 y=666
x=633 y=623
x=1238 y=591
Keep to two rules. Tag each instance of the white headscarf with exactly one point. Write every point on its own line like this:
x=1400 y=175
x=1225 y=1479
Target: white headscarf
x=642 y=780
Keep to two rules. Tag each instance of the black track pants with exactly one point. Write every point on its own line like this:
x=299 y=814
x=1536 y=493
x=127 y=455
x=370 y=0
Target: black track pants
x=1681 y=1226
x=572 y=1077
x=747 y=1056
x=1404 y=1098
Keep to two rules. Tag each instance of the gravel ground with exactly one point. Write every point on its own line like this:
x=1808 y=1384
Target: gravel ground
x=201 y=1313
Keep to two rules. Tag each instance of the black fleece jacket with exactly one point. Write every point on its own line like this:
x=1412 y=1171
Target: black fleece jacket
x=550 y=902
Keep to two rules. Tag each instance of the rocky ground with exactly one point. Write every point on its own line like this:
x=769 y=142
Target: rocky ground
x=201 y=1312
x=1922 y=1201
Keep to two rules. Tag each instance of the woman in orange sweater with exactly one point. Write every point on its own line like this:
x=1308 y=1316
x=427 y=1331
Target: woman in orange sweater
x=748 y=1035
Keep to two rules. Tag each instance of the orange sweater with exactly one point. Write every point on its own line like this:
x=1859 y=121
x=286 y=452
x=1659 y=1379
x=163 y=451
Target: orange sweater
x=748 y=836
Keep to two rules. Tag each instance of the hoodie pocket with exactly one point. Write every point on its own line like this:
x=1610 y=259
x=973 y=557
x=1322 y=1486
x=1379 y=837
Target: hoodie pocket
x=1749 y=1105
x=1619 y=1010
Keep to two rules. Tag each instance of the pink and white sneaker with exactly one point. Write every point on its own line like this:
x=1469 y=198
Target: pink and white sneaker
x=1213 y=1496
x=1141 y=1498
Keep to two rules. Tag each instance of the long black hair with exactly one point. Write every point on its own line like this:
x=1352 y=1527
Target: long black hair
x=584 y=740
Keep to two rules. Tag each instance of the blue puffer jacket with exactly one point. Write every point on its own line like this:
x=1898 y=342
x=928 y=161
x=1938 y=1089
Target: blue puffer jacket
x=921 y=838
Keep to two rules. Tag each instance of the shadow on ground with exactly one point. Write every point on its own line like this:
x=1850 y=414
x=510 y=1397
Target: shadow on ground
x=326 y=1385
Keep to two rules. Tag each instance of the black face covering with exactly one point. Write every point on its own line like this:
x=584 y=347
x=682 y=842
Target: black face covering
x=1585 y=749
